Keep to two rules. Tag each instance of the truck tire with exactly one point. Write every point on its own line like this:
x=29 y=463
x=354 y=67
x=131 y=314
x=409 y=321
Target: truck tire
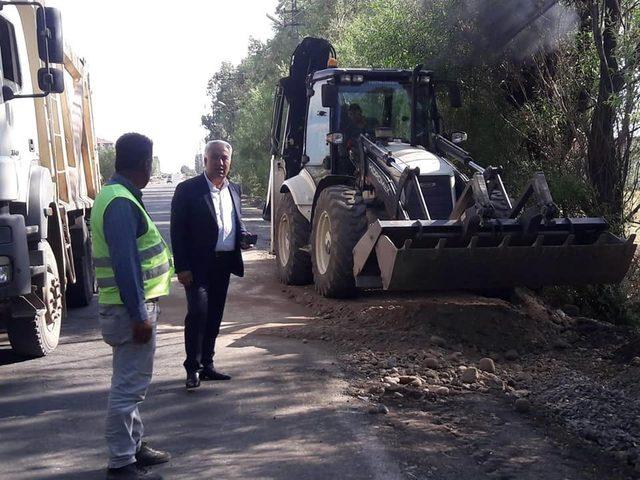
x=292 y=236
x=80 y=294
x=36 y=333
x=339 y=222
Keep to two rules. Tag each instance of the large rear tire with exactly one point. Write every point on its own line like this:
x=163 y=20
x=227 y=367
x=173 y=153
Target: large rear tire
x=80 y=294
x=339 y=222
x=292 y=236
x=35 y=333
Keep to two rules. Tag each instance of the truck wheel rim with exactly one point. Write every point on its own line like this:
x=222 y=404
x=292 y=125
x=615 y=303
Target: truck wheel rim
x=53 y=301
x=284 y=243
x=323 y=243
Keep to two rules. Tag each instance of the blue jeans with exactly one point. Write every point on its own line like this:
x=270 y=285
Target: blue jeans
x=132 y=371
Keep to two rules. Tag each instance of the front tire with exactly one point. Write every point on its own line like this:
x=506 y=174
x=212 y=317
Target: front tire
x=35 y=333
x=292 y=237
x=339 y=222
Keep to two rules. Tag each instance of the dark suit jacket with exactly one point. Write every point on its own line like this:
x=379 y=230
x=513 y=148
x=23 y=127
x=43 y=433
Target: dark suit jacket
x=194 y=229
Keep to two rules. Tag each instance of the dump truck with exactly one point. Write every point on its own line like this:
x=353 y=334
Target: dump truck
x=366 y=190
x=49 y=176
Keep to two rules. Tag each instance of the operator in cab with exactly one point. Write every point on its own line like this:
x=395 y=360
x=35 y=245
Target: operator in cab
x=357 y=123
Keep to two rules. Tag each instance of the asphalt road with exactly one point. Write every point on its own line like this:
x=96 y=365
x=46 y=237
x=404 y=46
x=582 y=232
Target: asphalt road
x=283 y=416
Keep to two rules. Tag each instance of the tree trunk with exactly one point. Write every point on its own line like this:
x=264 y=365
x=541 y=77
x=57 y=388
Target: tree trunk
x=604 y=164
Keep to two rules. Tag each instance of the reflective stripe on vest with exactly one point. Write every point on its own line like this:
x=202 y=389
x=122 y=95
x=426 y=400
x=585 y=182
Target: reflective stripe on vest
x=155 y=258
x=144 y=255
x=146 y=275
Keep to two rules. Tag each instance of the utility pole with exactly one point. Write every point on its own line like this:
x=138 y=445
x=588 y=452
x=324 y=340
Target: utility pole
x=289 y=20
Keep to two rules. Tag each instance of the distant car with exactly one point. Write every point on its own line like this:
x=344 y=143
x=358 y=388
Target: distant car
x=169 y=180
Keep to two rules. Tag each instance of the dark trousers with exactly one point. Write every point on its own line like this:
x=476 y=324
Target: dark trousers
x=205 y=307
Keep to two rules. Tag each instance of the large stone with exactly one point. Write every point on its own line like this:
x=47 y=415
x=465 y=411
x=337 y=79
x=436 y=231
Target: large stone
x=522 y=405
x=391 y=380
x=432 y=363
x=380 y=408
x=392 y=387
x=524 y=377
x=439 y=341
x=416 y=382
x=455 y=356
x=406 y=379
x=470 y=375
x=438 y=390
x=487 y=365
x=511 y=355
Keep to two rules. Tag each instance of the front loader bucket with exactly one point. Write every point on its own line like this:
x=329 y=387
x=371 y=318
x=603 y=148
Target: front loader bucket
x=436 y=255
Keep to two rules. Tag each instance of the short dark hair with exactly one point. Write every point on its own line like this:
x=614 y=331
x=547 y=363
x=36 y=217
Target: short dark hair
x=354 y=107
x=133 y=152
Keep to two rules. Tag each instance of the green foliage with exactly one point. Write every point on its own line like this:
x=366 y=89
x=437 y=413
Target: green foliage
x=107 y=159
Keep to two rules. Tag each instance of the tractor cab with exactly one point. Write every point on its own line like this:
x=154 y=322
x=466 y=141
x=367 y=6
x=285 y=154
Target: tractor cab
x=320 y=112
x=347 y=103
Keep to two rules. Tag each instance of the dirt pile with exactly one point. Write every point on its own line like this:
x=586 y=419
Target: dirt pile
x=417 y=353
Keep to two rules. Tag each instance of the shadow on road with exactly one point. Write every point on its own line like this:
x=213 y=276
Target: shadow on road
x=7 y=357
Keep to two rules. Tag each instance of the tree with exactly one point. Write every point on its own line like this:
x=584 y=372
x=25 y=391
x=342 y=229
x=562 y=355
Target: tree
x=613 y=171
x=107 y=160
x=187 y=171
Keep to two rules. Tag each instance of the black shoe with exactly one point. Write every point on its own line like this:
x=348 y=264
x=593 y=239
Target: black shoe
x=209 y=373
x=193 y=380
x=131 y=472
x=148 y=456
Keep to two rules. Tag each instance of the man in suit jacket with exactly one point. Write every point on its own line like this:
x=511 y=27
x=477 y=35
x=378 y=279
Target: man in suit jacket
x=207 y=234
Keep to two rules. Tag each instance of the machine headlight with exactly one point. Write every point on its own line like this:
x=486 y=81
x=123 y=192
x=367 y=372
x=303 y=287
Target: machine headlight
x=345 y=79
x=5 y=270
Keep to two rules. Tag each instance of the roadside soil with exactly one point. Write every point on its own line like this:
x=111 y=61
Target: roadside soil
x=470 y=387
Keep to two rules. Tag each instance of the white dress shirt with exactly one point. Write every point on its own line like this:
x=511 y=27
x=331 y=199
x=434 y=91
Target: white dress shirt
x=225 y=215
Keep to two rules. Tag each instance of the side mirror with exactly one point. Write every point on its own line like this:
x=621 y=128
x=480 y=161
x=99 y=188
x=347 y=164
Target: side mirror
x=50 y=44
x=51 y=80
x=458 y=137
x=329 y=95
x=455 y=96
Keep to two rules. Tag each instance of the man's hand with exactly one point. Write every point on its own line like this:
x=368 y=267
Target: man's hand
x=142 y=331
x=185 y=278
x=247 y=241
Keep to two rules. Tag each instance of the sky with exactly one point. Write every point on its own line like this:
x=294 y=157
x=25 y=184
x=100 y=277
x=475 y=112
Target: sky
x=149 y=62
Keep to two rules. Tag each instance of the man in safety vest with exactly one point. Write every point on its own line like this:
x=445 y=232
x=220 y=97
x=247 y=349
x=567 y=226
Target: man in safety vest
x=133 y=270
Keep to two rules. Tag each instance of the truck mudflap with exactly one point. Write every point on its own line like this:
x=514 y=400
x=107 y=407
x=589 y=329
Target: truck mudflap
x=15 y=254
x=440 y=255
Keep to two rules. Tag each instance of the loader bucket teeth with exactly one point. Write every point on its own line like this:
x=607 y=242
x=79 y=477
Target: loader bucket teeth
x=568 y=252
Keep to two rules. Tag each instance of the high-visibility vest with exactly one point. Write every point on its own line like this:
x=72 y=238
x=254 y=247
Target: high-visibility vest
x=155 y=257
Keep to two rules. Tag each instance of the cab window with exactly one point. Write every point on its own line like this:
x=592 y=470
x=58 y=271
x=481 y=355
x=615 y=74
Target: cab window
x=9 y=52
x=318 y=124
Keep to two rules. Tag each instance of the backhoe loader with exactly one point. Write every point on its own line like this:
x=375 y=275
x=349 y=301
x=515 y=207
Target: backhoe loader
x=367 y=191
